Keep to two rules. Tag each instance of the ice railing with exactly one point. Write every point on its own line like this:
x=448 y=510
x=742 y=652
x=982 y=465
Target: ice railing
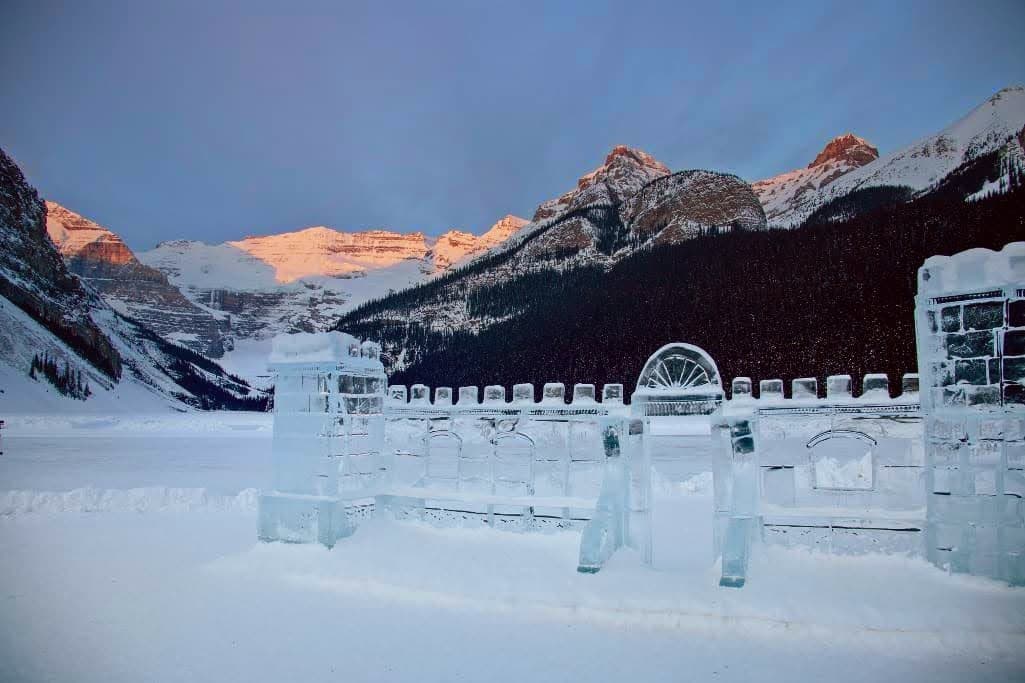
x=520 y=463
x=840 y=473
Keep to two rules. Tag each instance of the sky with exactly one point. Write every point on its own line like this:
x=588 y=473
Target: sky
x=215 y=120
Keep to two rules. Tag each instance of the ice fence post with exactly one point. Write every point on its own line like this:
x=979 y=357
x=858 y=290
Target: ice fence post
x=736 y=496
x=607 y=531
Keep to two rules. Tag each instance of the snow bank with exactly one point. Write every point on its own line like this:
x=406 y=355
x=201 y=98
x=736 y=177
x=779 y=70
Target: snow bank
x=147 y=499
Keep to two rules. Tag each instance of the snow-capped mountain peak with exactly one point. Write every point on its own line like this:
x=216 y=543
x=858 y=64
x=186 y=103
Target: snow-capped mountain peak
x=847 y=148
x=625 y=171
x=787 y=193
x=790 y=197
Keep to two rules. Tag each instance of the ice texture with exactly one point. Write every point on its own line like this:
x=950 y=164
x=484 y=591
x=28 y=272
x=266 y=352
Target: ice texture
x=494 y=393
x=523 y=393
x=804 y=388
x=583 y=393
x=770 y=389
x=553 y=392
x=838 y=386
x=875 y=386
x=972 y=362
x=328 y=435
x=608 y=529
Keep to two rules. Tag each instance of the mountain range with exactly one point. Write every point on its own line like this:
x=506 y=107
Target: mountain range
x=224 y=301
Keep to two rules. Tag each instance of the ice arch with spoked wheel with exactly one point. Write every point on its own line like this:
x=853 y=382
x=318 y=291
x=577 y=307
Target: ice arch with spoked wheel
x=678 y=379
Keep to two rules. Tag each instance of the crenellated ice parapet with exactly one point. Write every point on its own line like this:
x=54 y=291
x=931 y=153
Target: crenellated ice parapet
x=494 y=395
x=875 y=388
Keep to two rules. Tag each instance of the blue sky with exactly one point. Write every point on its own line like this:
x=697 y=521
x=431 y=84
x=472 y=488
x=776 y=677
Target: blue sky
x=214 y=120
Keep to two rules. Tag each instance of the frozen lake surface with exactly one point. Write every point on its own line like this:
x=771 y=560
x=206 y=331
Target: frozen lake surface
x=128 y=553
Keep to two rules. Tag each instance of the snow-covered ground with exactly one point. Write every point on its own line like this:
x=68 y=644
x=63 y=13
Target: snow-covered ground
x=128 y=553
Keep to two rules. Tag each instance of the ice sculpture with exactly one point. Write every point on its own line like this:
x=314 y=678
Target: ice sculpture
x=736 y=497
x=608 y=530
x=970 y=325
x=328 y=436
x=678 y=379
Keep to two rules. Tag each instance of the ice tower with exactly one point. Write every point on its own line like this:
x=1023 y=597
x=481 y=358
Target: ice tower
x=329 y=394
x=970 y=324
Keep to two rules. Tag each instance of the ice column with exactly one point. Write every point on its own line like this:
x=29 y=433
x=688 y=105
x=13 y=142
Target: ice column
x=328 y=435
x=970 y=326
x=608 y=529
x=736 y=496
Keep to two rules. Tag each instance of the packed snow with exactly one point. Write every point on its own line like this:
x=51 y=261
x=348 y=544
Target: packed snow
x=128 y=552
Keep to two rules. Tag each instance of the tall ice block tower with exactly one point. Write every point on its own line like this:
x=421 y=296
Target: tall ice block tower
x=329 y=394
x=970 y=324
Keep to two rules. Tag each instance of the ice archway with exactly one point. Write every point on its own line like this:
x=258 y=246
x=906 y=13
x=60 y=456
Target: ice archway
x=677 y=368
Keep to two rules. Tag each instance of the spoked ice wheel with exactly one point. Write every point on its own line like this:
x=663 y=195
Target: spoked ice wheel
x=677 y=371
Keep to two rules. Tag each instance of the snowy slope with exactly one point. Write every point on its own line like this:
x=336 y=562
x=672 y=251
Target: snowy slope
x=788 y=193
x=102 y=259
x=21 y=338
x=49 y=314
x=305 y=280
x=631 y=202
x=920 y=165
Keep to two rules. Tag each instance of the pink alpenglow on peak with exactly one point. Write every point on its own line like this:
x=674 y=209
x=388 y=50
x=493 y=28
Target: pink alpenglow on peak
x=847 y=148
x=625 y=171
x=848 y=163
x=456 y=246
x=78 y=237
x=787 y=194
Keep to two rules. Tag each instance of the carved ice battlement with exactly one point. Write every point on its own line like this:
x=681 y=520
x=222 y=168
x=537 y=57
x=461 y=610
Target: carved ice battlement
x=937 y=471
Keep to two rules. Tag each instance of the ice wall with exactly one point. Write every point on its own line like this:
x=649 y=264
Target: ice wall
x=970 y=325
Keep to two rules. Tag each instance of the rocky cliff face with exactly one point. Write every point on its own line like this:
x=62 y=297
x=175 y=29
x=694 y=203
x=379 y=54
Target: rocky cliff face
x=794 y=193
x=33 y=276
x=104 y=261
x=624 y=172
x=48 y=311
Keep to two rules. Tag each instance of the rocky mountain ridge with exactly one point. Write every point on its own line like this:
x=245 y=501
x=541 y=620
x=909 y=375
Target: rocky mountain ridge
x=993 y=126
x=47 y=311
x=306 y=279
x=102 y=259
x=630 y=202
x=787 y=194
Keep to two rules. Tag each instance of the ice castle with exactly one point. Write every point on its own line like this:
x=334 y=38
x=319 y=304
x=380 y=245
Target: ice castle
x=937 y=470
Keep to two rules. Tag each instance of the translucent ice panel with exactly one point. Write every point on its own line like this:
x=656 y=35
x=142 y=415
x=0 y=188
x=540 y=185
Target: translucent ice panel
x=468 y=396
x=443 y=396
x=804 y=388
x=419 y=394
x=494 y=393
x=583 y=393
x=554 y=392
x=523 y=393
x=770 y=389
x=612 y=393
x=741 y=388
x=875 y=385
x=838 y=386
x=512 y=463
